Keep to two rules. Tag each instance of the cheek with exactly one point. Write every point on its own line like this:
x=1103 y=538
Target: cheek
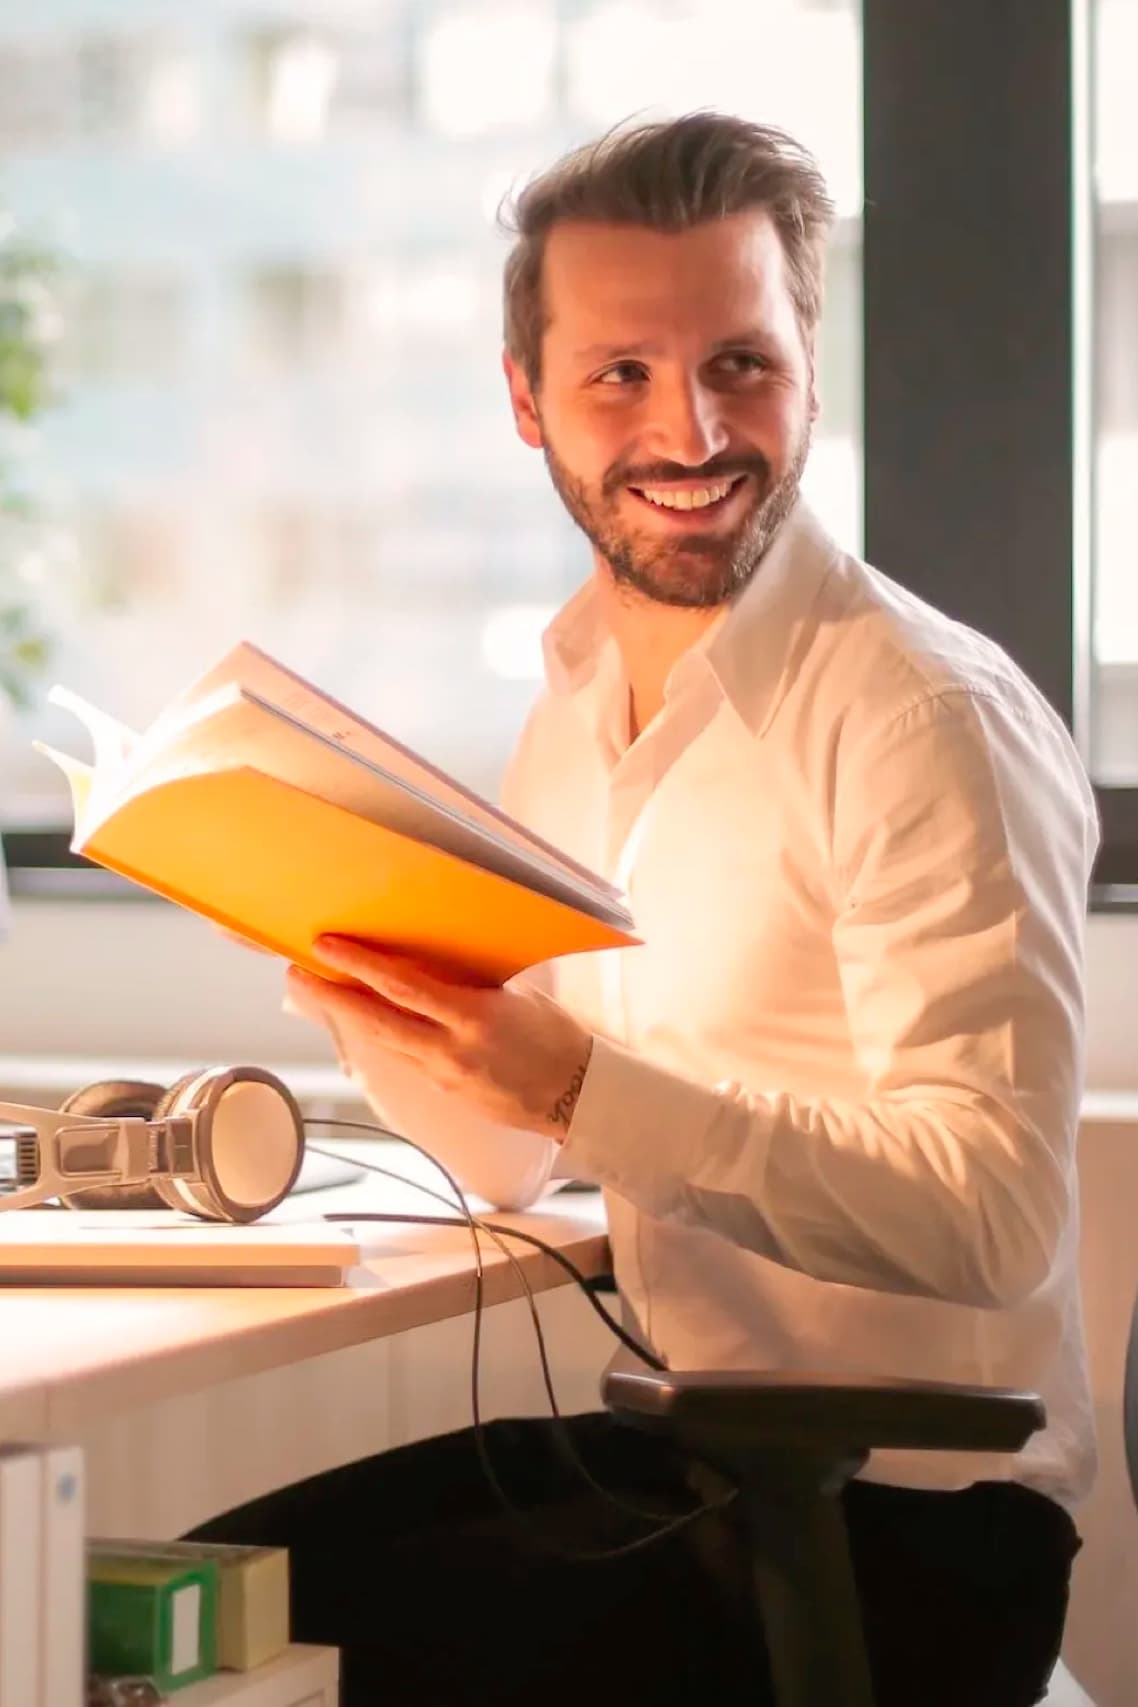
x=578 y=422
x=776 y=420
x=588 y=446
x=777 y=432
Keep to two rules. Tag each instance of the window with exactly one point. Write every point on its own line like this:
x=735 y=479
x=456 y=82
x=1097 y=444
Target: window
x=310 y=83
x=1113 y=638
x=282 y=415
x=121 y=327
x=71 y=89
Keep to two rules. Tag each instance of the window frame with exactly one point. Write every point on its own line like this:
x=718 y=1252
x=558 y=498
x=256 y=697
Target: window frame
x=976 y=218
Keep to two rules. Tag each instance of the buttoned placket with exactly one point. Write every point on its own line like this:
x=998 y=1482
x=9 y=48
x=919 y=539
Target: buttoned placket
x=634 y=774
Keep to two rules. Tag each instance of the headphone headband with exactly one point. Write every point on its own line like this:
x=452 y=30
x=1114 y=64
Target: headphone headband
x=225 y=1144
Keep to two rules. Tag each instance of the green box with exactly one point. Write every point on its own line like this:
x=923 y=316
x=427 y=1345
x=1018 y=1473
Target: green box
x=153 y=1618
x=252 y=1595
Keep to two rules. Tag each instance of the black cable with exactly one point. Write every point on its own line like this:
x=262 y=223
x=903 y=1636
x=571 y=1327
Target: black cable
x=557 y=1419
x=611 y=1323
x=498 y=1233
x=475 y=1226
x=499 y=1236
x=614 y=1327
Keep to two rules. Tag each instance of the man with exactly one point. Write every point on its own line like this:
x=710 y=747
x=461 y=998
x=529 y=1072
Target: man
x=833 y=1096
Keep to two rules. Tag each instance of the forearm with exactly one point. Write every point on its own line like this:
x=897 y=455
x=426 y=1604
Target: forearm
x=506 y=1166
x=940 y=1192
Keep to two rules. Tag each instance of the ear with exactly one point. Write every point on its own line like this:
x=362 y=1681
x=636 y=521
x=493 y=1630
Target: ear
x=812 y=381
x=526 y=418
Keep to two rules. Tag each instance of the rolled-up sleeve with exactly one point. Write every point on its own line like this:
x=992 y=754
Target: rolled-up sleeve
x=961 y=842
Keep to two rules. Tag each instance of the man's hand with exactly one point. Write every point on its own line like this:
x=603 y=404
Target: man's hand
x=513 y=1055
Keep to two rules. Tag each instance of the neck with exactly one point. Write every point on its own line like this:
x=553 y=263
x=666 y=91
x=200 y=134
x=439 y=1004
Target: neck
x=651 y=637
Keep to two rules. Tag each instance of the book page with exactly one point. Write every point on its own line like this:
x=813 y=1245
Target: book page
x=112 y=741
x=80 y=780
x=269 y=680
x=112 y=745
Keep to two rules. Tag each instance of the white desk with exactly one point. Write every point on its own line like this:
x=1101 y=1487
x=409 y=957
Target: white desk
x=190 y=1401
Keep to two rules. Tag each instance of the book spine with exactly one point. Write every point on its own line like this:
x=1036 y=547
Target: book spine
x=21 y=1477
x=63 y=1617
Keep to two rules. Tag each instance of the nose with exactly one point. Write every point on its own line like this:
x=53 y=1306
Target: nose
x=687 y=422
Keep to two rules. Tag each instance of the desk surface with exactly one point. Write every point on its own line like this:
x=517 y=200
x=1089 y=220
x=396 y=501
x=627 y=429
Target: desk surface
x=76 y=1355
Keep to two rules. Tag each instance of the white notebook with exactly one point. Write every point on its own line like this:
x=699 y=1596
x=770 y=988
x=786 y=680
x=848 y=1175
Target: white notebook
x=139 y=1247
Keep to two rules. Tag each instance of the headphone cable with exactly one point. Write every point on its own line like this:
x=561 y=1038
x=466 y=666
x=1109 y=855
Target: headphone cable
x=666 y=1525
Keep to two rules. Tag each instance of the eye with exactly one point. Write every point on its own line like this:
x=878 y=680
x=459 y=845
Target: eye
x=622 y=373
x=740 y=362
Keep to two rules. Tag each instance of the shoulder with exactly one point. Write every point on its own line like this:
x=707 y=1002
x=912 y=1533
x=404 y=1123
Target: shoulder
x=935 y=727
x=886 y=662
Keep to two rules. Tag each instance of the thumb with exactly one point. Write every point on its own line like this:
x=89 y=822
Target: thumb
x=302 y=995
x=302 y=999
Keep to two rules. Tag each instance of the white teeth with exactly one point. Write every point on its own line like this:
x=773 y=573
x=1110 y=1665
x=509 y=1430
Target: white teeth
x=697 y=499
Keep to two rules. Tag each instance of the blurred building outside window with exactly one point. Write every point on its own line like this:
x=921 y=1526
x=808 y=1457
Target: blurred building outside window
x=280 y=411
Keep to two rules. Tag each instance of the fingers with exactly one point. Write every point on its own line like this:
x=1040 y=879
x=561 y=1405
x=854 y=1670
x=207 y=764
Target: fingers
x=306 y=1004
x=396 y=979
x=301 y=997
x=358 y=1013
x=358 y=1048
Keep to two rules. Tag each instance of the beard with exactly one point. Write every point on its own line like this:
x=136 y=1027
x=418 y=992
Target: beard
x=697 y=571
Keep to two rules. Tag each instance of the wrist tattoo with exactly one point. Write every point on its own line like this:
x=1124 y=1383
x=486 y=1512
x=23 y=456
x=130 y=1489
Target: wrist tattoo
x=562 y=1111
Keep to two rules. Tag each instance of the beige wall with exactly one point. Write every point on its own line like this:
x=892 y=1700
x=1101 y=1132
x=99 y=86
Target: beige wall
x=1102 y=1630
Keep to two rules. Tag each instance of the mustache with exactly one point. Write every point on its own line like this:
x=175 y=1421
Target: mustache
x=660 y=473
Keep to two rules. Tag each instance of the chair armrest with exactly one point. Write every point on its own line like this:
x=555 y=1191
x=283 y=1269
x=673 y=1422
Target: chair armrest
x=754 y=1411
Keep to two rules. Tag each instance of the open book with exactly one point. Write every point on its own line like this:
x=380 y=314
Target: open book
x=260 y=802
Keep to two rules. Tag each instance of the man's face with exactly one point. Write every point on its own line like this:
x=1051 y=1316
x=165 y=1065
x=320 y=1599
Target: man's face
x=675 y=400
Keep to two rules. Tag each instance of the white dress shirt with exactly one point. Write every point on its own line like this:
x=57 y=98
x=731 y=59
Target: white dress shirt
x=833 y=1097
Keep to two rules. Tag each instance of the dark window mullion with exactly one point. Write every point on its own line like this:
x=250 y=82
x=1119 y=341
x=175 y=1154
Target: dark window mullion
x=967 y=317
x=968 y=296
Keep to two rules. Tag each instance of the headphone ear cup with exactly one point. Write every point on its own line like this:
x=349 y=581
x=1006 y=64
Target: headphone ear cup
x=225 y=1192
x=169 y=1096
x=166 y=1193
x=269 y=1118
x=115 y=1099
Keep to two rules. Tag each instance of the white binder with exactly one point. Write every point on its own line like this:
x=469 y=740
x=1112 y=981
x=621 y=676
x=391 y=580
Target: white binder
x=63 y=1606
x=21 y=1576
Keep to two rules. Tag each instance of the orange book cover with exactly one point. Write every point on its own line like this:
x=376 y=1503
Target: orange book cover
x=279 y=866
x=280 y=821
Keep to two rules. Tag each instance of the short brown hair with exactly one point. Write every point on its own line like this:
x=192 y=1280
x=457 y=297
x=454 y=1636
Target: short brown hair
x=668 y=175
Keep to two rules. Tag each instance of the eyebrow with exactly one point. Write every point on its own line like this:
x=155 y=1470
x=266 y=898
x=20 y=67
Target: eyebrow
x=629 y=352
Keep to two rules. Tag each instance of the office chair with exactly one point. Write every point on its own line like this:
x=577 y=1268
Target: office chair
x=791 y=1444
x=1130 y=1403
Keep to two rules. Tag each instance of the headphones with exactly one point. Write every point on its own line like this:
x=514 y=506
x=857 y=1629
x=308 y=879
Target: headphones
x=224 y=1143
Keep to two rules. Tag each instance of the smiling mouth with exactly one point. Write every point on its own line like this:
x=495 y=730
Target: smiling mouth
x=684 y=500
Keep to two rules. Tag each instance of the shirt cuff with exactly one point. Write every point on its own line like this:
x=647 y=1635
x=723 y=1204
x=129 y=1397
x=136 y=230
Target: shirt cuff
x=637 y=1128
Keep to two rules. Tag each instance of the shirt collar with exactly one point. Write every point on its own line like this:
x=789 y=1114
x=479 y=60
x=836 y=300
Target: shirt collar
x=755 y=653
x=574 y=641
x=750 y=652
